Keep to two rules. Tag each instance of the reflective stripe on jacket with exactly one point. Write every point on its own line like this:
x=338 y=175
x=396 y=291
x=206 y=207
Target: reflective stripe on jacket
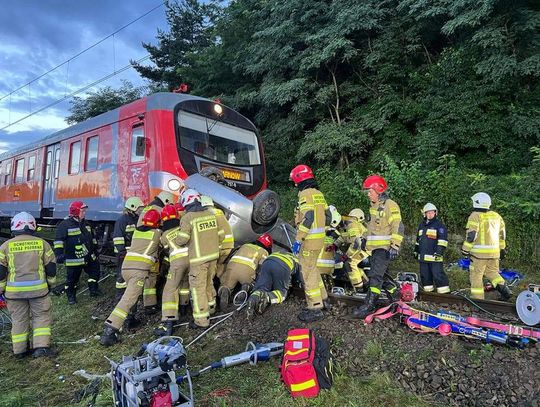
x=144 y=250
x=485 y=235
x=310 y=219
x=385 y=228
x=431 y=240
x=199 y=231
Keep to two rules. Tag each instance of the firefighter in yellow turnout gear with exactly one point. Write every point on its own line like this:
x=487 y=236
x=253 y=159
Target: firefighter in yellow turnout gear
x=354 y=229
x=27 y=270
x=138 y=263
x=310 y=220
x=485 y=244
x=199 y=230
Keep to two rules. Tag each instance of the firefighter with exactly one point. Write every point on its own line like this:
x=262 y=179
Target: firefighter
x=242 y=267
x=226 y=245
x=431 y=242
x=273 y=282
x=159 y=201
x=178 y=268
x=485 y=244
x=383 y=239
x=200 y=232
x=310 y=220
x=76 y=246
x=138 y=264
x=27 y=270
x=326 y=262
x=122 y=233
x=354 y=229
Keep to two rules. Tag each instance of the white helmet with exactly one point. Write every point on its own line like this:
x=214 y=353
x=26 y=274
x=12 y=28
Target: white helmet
x=206 y=201
x=429 y=207
x=166 y=197
x=481 y=200
x=189 y=196
x=336 y=217
x=22 y=221
x=358 y=214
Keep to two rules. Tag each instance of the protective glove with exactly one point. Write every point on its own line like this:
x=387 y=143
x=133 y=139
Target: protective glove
x=363 y=243
x=393 y=252
x=60 y=259
x=296 y=247
x=344 y=258
x=81 y=251
x=503 y=254
x=331 y=248
x=465 y=254
x=438 y=257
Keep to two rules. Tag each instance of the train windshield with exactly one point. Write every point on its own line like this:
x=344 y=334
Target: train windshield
x=218 y=141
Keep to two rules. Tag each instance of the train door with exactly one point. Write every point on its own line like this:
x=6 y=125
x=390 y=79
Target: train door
x=52 y=171
x=137 y=174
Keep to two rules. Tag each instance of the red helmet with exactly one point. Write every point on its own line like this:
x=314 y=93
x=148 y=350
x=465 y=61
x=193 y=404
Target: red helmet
x=301 y=173
x=75 y=208
x=179 y=207
x=151 y=218
x=169 y=212
x=375 y=182
x=266 y=240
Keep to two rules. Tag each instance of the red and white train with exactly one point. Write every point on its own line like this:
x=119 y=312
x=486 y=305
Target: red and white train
x=139 y=149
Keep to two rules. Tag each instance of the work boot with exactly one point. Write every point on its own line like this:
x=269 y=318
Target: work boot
x=327 y=305
x=224 y=294
x=71 y=295
x=264 y=302
x=131 y=322
x=94 y=289
x=183 y=310
x=151 y=310
x=21 y=355
x=164 y=329
x=247 y=288
x=368 y=308
x=252 y=302
x=44 y=352
x=505 y=292
x=193 y=325
x=311 y=315
x=109 y=336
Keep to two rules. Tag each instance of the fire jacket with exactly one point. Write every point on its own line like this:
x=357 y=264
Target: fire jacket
x=485 y=235
x=310 y=219
x=123 y=232
x=431 y=241
x=225 y=230
x=385 y=228
x=144 y=250
x=352 y=235
x=199 y=231
x=249 y=255
x=75 y=242
x=27 y=267
x=176 y=254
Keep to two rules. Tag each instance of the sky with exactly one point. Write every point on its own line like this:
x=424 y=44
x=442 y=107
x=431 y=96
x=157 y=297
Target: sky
x=37 y=35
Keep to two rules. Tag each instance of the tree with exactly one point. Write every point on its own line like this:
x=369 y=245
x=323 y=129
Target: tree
x=101 y=101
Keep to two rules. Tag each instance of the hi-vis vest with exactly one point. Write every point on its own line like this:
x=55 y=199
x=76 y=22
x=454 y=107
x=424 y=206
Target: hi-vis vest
x=177 y=255
x=199 y=230
x=249 y=255
x=310 y=219
x=490 y=235
x=385 y=228
x=25 y=257
x=143 y=253
x=225 y=230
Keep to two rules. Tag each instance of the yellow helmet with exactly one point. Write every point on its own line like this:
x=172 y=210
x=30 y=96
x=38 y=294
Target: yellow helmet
x=166 y=197
x=358 y=214
x=206 y=201
x=133 y=203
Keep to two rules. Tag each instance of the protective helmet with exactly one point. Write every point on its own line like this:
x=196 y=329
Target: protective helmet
x=358 y=214
x=481 y=200
x=206 y=201
x=75 y=208
x=189 y=196
x=133 y=203
x=169 y=212
x=266 y=240
x=429 y=207
x=22 y=221
x=166 y=197
x=336 y=217
x=179 y=207
x=301 y=173
x=375 y=182
x=151 y=218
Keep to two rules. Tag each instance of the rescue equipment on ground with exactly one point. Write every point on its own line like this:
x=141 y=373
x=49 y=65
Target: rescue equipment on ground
x=528 y=305
x=512 y=277
x=447 y=323
x=307 y=364
x=150 y=379
x=408 y=286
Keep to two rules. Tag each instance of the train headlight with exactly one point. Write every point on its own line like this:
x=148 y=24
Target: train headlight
x=218 y=109
x=174 y=184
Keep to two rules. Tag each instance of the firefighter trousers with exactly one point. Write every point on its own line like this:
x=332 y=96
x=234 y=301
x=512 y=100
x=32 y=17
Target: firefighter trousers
x=135 y=280
x=184 y=289
x=432 y=275
x=481 y=268
x=171 y=292
x=198 y=282
x=223 y=254
x=274 y=280
x=73 y=274
x=210 y=289
x=22 y=311
x=150 y=290
x=313 y=284
x=380 y=261
x=120 y=283
x=237 y=273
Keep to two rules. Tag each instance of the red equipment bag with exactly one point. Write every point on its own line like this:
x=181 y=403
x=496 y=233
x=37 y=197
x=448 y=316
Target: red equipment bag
x=307 y=363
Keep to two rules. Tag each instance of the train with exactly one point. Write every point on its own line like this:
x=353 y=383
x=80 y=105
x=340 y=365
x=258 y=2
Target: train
x=157 y=143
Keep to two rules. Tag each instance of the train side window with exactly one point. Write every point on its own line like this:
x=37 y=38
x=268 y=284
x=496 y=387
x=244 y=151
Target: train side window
x=91 y=154
x=48 y=167
x=138 y=145
x=31 y=168
x=7 y=174
x=19 y=171
x=74 y=157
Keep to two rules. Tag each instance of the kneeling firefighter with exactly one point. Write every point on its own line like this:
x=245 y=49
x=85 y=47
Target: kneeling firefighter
x=27 y=270
x=139 y=262
x=273 y=282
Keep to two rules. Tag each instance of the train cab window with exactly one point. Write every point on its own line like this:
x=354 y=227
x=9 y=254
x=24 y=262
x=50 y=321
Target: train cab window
x=91 y=154
x=7 y=173
x=138 y=145
x=19 y=171
x=75 y=157
x=31 y=168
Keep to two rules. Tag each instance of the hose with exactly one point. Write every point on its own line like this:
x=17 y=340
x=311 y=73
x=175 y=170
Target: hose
x=459 y=294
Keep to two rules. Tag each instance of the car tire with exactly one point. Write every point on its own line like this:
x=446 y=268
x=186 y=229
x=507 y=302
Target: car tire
x=266 y=206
